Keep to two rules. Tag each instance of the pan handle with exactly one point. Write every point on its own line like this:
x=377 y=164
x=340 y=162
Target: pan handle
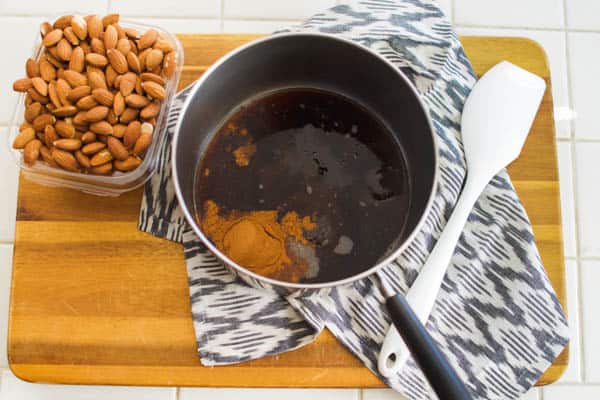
x=441 y=376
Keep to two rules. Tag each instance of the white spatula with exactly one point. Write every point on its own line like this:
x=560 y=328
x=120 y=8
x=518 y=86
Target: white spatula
x=496 y=119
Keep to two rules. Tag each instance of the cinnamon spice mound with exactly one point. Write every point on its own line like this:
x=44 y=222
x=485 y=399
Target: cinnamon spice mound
x=259 y=242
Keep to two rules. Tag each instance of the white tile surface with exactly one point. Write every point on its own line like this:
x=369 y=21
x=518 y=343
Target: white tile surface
x=17 y=36
x=267 y=9
x=587 y=170
x=15 y=389
x=509 y=13
x=554 y=45
x=5 y=272
x=182 y=25
x=583 y=14
x=164 y=8
x=584 y=62
x=567 y=198
x=267 y=394
x=247 y=26
x=54 y=7
x=573 y=372
x=532 y=394
x=590 y=299
x=9 y=182
x=574 y=392
x=447 y=7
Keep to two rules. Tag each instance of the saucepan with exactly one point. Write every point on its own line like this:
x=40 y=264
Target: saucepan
x=341 y=66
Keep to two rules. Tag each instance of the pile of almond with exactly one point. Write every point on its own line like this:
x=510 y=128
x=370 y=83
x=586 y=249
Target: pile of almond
x=93 y=95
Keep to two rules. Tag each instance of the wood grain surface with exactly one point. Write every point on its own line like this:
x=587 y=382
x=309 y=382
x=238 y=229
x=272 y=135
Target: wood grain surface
x=94 y=301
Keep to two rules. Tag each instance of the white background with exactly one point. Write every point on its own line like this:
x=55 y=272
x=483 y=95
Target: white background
x=569 y=30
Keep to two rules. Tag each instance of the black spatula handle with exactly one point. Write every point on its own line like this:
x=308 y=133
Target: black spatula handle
x=439 y=373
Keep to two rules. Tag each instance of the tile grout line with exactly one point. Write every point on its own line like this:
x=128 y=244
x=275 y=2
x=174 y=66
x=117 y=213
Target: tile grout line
x=176 y=393
x=525 y=28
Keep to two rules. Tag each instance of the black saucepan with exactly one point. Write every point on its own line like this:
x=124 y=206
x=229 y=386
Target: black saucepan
x=351 y=70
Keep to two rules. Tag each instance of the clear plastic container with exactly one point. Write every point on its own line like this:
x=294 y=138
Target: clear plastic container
x=119 y=182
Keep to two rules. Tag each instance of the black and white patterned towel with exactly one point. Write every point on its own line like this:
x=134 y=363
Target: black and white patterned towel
x=497 y=318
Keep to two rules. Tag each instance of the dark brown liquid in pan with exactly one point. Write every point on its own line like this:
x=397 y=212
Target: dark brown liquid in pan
x=319 y=154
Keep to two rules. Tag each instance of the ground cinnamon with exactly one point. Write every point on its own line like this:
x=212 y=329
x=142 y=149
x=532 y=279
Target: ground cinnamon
x=259 y=242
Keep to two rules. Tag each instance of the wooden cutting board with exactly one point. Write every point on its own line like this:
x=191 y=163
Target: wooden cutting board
x=95 y=301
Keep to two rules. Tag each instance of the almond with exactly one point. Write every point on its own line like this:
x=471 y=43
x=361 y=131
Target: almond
x=95 y=27
x=62 y=91
x=62 y=22
x=65 y=111
x=28 y=100
x=163 y=45
x=40 y=122
x=97 y=46
x=110 y=19
x=67 y=144
x=130 y=163
x=76 y=63
x=45 y=27
x=134 y=62
x=111 y=37
x=65 y=160
x=78 y=93
x=22 y=85
x=23 y=137
x=88 y=137
x=52 y=58
x=75 y=78
x=79 y=27
x=154 y=59
x=148 y=39
x=32 y=151
x=136 y=101
x=64 y=50
x=97 y=60
x=132 y=133
x=120 y=31
x=147 y=128
x=82 y=159
x=52 y=93
x=32 y=111
x=101 y=128
x=32 y=68
x=101 y=157
x=103 y=169
x=103 y=96
x=86 y=103
x=118 y=104
x=47 y=155
x=132 y=33
x=96 y=80
x=64 y=129
x=71 y=36
x=117 y=61
x=40 y=85
x=151 y=110
x=142 y=144
x=34 y=94
x=52 y=37
x=92 y=148
x=169 y=64
x=138 y=86
x=117 y=81
x=148 y=76
x=47 y=70
x=119 y=130
x=123 y=46
x=127 y=84
x=50 y=135
x=97 y=113
x=133 y=46
x=112 y=118
x=110 y=74
x=128 y=115
x=155 y=90
x=142 y=57
x=117 y=149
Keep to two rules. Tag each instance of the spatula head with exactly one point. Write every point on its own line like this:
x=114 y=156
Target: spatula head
x=498 y=115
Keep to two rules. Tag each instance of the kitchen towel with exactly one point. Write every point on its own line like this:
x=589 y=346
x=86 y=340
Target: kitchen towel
x=497 y=318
